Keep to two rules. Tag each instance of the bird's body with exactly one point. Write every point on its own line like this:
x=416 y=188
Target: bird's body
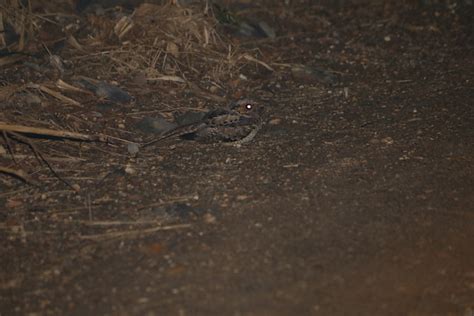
x=237 y=124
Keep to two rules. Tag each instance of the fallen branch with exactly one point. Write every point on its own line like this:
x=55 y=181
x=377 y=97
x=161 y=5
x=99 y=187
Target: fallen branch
x=53 y=133
x=50 y=158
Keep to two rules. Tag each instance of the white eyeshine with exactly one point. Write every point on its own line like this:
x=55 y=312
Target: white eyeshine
x=248 y=106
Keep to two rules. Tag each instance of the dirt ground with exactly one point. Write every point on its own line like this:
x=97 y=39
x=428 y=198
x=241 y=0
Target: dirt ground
x=356 y=198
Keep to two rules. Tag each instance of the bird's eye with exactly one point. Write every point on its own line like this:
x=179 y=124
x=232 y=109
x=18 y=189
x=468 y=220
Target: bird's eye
x=248 y=106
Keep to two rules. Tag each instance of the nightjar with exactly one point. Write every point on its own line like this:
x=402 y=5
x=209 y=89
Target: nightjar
x=237 y=125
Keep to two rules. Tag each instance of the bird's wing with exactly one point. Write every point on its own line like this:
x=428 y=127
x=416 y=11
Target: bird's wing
x=177 y=131
x=230 y=119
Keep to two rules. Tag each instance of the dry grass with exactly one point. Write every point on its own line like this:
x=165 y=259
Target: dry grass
x=162 y=45
x=154 y=40
x=163 y=41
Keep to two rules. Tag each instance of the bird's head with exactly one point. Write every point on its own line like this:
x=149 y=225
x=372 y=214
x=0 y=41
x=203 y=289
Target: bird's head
x=248 y=107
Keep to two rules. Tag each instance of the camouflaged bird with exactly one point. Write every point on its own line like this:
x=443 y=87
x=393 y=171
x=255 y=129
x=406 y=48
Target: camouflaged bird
x=237 y=125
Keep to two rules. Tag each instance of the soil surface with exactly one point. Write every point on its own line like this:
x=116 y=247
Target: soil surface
x=356 y=198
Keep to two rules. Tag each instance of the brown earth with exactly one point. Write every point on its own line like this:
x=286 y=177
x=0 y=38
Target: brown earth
x=357 y=198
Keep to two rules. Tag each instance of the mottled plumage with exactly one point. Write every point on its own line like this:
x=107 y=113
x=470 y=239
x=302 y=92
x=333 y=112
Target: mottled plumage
x=238 y=124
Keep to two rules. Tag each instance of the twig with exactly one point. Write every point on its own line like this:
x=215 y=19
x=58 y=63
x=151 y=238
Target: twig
x=40 y=157
x=204 y=94
x=53 y=133
x=116 y=223
x=55 y=94
x=88 y=202
x=66 y=86
x=250 y=58
x=133 y=233
x=56 y=159
x=2 y=195
x=183 y=198
x=9 y=147
x=167 y=78
x=10 y=59
x=20 y=174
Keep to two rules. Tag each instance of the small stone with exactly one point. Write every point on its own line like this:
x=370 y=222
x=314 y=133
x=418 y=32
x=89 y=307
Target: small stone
x=130 y=170
x=57 y=63
x=209 y=218
x=143 y=300
x=133 y=149
x=387 y=140
x=275 y=121
x=105 y=90
x=32 y=99
x=112 y=93
x=95 y=114
x=346 y=92
x=173 y=49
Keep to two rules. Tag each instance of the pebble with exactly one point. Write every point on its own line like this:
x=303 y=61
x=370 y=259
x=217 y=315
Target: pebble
x=133 y=148
x=32 y=99
x=209 y=218
x=275 y=121
x=387 y=140
x=130 y=170
x=112 y=93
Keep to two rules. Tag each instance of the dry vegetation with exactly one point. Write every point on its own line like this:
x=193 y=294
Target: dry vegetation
x=59 y=66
